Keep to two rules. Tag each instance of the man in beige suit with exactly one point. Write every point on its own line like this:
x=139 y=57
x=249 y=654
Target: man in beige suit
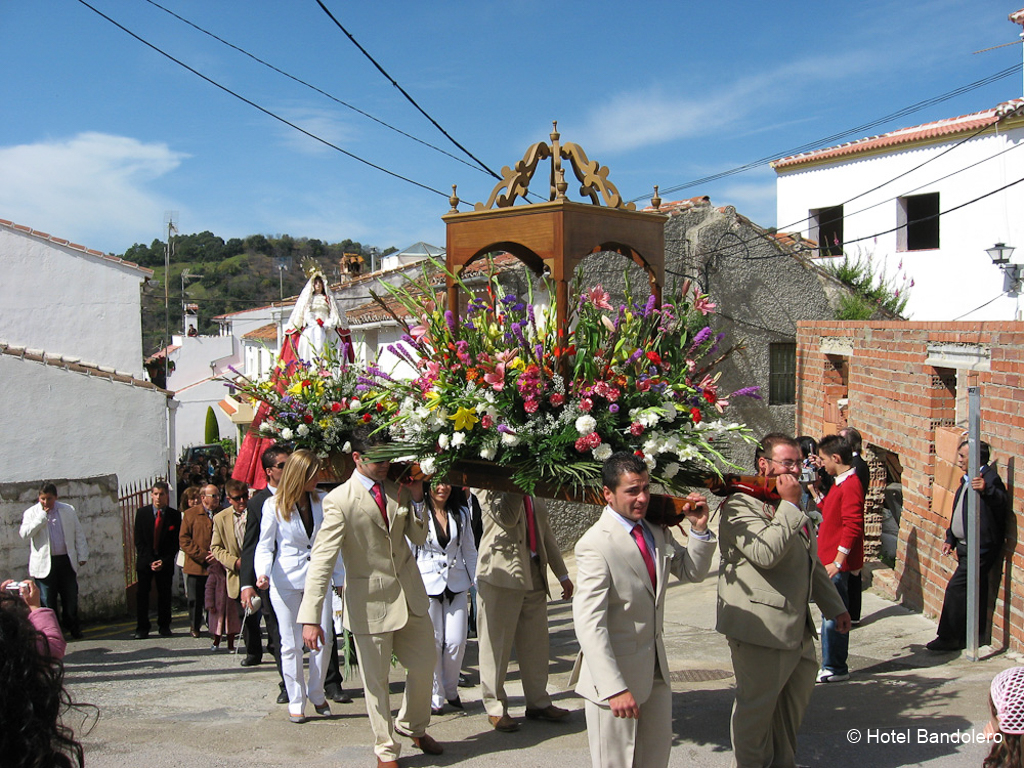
x=385 y=602
x=769 y=574
x=622 y=567
x=512 y=593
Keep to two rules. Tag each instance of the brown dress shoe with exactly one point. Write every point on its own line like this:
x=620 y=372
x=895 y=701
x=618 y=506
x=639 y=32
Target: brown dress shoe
x=550 y=712
x=387 y=763
x=428 y=744
x=503 y=723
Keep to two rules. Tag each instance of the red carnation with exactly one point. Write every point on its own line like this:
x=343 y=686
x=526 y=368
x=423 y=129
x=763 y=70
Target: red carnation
x=335 y=407
x=695 y=415
x=636 y=429
x=654 y=357
x=366 y=417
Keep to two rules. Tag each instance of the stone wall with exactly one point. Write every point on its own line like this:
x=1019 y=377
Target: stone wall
x=101 y=582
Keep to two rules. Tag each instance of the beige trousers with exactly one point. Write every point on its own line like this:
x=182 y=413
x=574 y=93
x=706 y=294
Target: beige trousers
x=507 y=617
x=773 y=689
x=413 y=645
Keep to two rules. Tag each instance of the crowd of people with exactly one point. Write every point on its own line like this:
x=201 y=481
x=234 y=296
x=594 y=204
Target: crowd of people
x=396 y=564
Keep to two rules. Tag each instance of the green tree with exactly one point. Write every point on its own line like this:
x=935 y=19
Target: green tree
x=212 y=428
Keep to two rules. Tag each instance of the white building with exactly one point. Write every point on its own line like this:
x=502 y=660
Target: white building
x=925 y=203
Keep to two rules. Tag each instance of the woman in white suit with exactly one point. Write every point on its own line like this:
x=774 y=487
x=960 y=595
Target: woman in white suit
x=290 y=522
x=447 y=562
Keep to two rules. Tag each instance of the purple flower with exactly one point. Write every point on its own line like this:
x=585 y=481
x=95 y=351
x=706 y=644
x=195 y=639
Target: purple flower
x=469 y=325
x=613 y=408
x=754 y=392
x=509 y=300
x=505 y=430
x=635 y=356
x=702 y=335
x=519 y=307
x=450 y=319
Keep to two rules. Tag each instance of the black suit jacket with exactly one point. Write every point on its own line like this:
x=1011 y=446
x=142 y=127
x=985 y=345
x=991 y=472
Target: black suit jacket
x=170 y=527
x=863 y=472
x=991 y=511
x=253 y=517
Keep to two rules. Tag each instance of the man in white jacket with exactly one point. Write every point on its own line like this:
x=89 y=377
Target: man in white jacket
x=57 y=550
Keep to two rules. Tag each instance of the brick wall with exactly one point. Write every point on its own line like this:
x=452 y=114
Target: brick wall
x=914 y=406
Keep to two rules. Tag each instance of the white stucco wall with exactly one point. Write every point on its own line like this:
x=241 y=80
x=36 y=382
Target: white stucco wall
x=958 y=276
x=66 y=302
x=190 y=422
x=194 y=355
x=57 y=423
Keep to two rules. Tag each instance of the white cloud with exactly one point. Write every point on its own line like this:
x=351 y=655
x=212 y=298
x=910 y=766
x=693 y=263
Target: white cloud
x=95 y=188
x=324 y=123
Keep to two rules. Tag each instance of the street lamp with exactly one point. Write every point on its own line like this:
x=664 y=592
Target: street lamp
x=1000 y=254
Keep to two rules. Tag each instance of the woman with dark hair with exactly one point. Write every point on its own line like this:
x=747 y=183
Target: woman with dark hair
x=447 y=562
x=32 y=694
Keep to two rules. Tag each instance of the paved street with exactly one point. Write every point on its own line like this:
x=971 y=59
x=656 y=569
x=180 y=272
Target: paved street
x=172 y=702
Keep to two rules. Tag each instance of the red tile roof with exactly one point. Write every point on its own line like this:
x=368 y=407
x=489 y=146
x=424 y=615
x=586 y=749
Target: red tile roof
x=22 y=229
x=263 y=333
x=76 y=365
x=927 y=132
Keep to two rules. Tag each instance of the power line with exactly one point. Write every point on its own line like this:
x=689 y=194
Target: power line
x=409 y=98
x=860 y=129
x=264 y=110
x=315 y=88
x=965 y=314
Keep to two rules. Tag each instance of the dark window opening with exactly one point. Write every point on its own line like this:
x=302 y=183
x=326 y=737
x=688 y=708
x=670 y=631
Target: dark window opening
x=782 y=373
x=828 y=230
x=918 y=220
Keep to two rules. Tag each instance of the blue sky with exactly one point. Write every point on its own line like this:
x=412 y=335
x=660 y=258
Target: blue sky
x=100 y=135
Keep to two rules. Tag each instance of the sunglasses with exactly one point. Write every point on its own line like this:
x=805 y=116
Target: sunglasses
x=242 y=497
x=279 y=466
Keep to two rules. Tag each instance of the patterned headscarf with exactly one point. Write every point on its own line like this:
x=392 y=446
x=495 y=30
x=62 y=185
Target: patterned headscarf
x=1008 y=696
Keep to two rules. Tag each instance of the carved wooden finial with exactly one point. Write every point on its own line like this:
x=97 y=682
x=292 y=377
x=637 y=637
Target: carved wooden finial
x=561 y=185
x=554 y=130
x=454 y=200
x=656 y=201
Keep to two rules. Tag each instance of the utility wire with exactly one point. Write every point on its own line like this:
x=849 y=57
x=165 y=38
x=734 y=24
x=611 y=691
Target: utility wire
x=315 y=88
x=409 y=98
x=965 y=314
x=264 y=110
x=860 y=129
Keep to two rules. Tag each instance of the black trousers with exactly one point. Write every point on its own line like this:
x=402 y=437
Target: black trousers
x=62 y=583
x=253 y=638
x=953 y=620
x=164 y=579
x=196 y=601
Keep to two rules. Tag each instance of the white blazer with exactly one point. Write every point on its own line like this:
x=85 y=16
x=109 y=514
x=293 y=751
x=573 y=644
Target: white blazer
x=454 y=566
x=34 y=528
x=287 y=570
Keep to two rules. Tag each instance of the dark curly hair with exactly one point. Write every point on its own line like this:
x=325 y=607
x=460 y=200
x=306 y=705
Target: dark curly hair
x=32 y=697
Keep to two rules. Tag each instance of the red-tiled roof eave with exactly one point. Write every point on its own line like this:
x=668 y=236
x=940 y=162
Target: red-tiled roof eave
x=22 y=229
x=940 y=130
x=76 y=365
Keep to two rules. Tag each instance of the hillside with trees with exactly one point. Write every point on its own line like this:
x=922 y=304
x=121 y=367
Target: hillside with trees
x=229 y=276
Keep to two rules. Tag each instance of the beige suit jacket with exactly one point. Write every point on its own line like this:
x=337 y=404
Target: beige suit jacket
x=504 y=553
x=769 y=574
x=382 y=582
x=618 y=614
x=225 y=547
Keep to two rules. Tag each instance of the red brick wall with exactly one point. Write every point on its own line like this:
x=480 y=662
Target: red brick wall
x=900 y=403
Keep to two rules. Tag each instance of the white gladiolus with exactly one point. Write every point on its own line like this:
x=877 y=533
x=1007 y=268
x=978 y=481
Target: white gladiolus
x=670 y=471
x=442 y=441
x=287 y=434
x=427 y=465
x=458 y=439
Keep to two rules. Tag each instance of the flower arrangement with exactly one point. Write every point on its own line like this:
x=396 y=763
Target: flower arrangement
x=313 y=404
x=550 y=405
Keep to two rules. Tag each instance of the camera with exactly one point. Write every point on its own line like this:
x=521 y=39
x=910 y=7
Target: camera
x=808 y=474
x=16 y=586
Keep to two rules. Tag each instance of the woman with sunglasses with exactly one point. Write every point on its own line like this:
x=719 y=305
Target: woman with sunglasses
x=222 y=588
x=289 y=525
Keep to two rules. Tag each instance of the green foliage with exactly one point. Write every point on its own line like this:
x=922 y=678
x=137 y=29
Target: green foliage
x=229 y=445
x=212 y=428
x=872 y=290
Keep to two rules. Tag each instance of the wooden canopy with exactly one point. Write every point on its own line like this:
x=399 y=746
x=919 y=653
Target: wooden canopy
x=556 y=235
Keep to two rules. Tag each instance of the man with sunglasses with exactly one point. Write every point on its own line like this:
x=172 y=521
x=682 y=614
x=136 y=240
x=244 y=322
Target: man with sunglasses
x=228 y=536
x=770 y=572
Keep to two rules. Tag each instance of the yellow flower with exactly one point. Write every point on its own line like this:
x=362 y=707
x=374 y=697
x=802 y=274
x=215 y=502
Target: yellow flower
x=517 y=365
x=433 y=399
x=464 y=418
x=295 y=389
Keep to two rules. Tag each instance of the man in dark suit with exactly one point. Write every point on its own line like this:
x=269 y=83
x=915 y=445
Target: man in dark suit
x=952 y=632
x=156 y=547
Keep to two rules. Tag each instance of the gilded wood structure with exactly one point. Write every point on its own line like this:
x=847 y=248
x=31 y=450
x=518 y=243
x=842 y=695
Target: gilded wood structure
x=555 y=236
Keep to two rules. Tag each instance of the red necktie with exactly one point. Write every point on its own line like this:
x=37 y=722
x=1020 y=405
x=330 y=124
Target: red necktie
x=156 y=529
x=531 y=525
x=645 y=553
x=378 y=496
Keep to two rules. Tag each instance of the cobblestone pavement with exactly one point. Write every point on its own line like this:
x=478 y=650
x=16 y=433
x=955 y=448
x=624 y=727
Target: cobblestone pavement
x=173 y=702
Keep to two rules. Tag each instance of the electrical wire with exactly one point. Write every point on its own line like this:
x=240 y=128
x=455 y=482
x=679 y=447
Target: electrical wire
x=860 y=129
x=965 y=314
x=401 y=90
x=264 y=110
x=315 y=88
